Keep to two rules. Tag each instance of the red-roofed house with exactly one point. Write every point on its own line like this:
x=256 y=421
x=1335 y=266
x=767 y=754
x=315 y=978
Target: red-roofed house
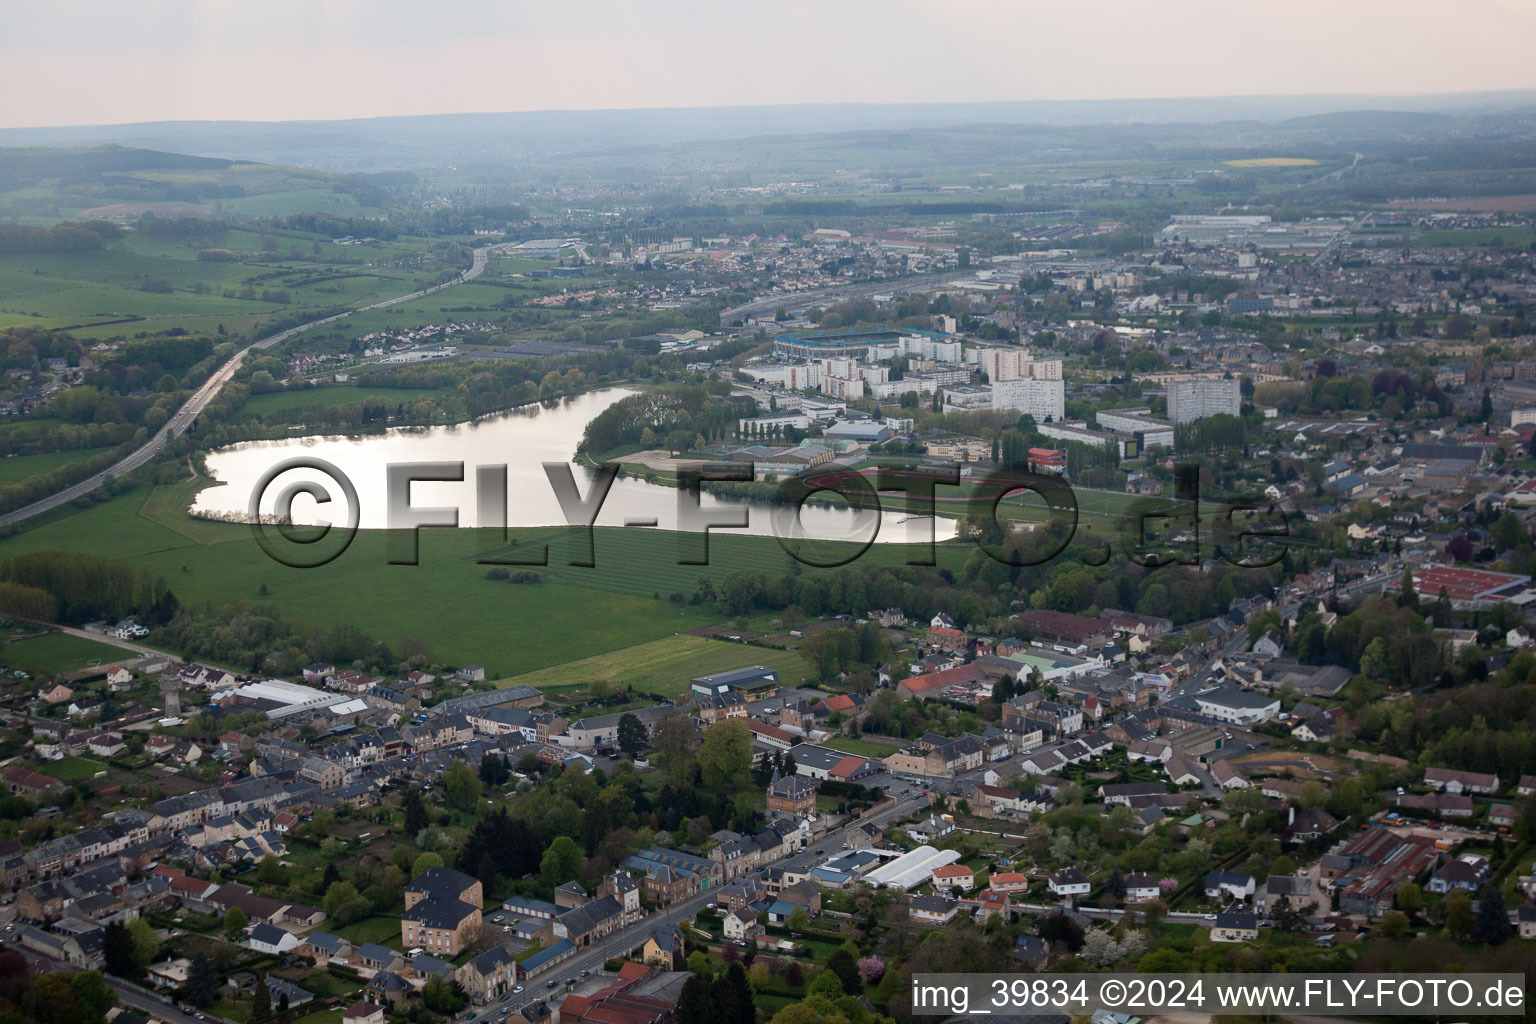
x=1008 y=882
x=991 y=904
x=944 y=639
x=842 y=702
x=30 y=784
x=954 y=876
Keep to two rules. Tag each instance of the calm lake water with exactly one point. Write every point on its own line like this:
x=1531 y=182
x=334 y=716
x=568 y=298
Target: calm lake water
x=522 y=440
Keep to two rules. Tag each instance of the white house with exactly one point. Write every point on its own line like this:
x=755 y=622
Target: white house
x=741 y=925
x=1229 y=884
x=266 y=938
x=1141 y=887
x=1449 y=780
x=1069 y=882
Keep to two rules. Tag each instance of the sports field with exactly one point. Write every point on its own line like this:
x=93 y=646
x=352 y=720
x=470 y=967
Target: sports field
x=58 y=652
x=864 y=748
x=664 y=666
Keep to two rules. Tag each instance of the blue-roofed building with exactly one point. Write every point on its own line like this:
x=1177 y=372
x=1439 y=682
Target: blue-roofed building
x=779 y=911
x=546 y=958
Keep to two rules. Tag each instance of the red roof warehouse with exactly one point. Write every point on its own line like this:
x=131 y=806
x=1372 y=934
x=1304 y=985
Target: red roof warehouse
x=1468 y=584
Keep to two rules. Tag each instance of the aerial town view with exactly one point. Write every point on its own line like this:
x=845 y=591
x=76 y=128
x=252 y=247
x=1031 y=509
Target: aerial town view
x=767 y=514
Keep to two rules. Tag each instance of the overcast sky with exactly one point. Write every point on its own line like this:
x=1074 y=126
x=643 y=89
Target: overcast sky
x=106 y=62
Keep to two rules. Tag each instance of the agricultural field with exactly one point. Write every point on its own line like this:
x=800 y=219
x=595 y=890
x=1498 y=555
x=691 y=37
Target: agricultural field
x=104 y=184
x=138 y=283
x=664 y=666
x=58 y=652
x=17 y=468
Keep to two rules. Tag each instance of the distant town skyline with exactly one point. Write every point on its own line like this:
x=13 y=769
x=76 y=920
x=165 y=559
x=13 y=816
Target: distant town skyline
x=81 y=62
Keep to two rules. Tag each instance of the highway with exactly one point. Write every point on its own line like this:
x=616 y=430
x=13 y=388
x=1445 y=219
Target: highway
x=184 y=417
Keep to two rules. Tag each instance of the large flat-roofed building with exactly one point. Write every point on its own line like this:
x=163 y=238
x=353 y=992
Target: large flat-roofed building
x=1469 y=586
x=1042 y=399
x=1078 y=431
x=1190 y=400
x=1148 y=430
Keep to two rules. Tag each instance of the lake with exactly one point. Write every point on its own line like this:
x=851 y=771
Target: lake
x=522 y=440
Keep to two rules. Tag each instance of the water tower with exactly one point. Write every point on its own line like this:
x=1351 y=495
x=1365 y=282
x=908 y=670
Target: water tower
x=170 y=692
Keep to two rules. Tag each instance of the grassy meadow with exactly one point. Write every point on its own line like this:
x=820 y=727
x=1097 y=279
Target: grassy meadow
x=664 y=666
x=446 y=600
x=58 y=652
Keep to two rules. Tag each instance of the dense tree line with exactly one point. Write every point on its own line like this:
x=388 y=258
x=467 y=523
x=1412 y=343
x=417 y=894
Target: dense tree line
x=70 y=236
x=259 y=639
x=86 y=587
x=678 y=412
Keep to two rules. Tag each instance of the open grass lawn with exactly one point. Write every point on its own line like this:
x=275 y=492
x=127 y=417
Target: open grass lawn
x=58 y=652
x=446 y=600
x=321 y=1017
x=864 y=748
x=17 y=468
x=383 y=930
x=72 y=769
x=664 y=666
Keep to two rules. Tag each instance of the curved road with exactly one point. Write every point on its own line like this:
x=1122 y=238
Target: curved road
x=188 y=413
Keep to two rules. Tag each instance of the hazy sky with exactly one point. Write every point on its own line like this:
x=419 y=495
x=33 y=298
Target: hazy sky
x=106 y=61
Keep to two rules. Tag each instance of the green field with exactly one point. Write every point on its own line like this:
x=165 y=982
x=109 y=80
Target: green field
x=444 y=600
x=864 y=748
x=664 y=666
x=1495 y=238
x=17 y=468
x=58 y=652
x=103 y=293
x=72 y=769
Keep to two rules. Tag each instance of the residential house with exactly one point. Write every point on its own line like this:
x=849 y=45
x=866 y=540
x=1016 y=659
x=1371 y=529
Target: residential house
x=489 y=975
x=1235 y=927
x=932 y=910
x=1448 y=780
x=1221 y=884
x=1068 y=882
